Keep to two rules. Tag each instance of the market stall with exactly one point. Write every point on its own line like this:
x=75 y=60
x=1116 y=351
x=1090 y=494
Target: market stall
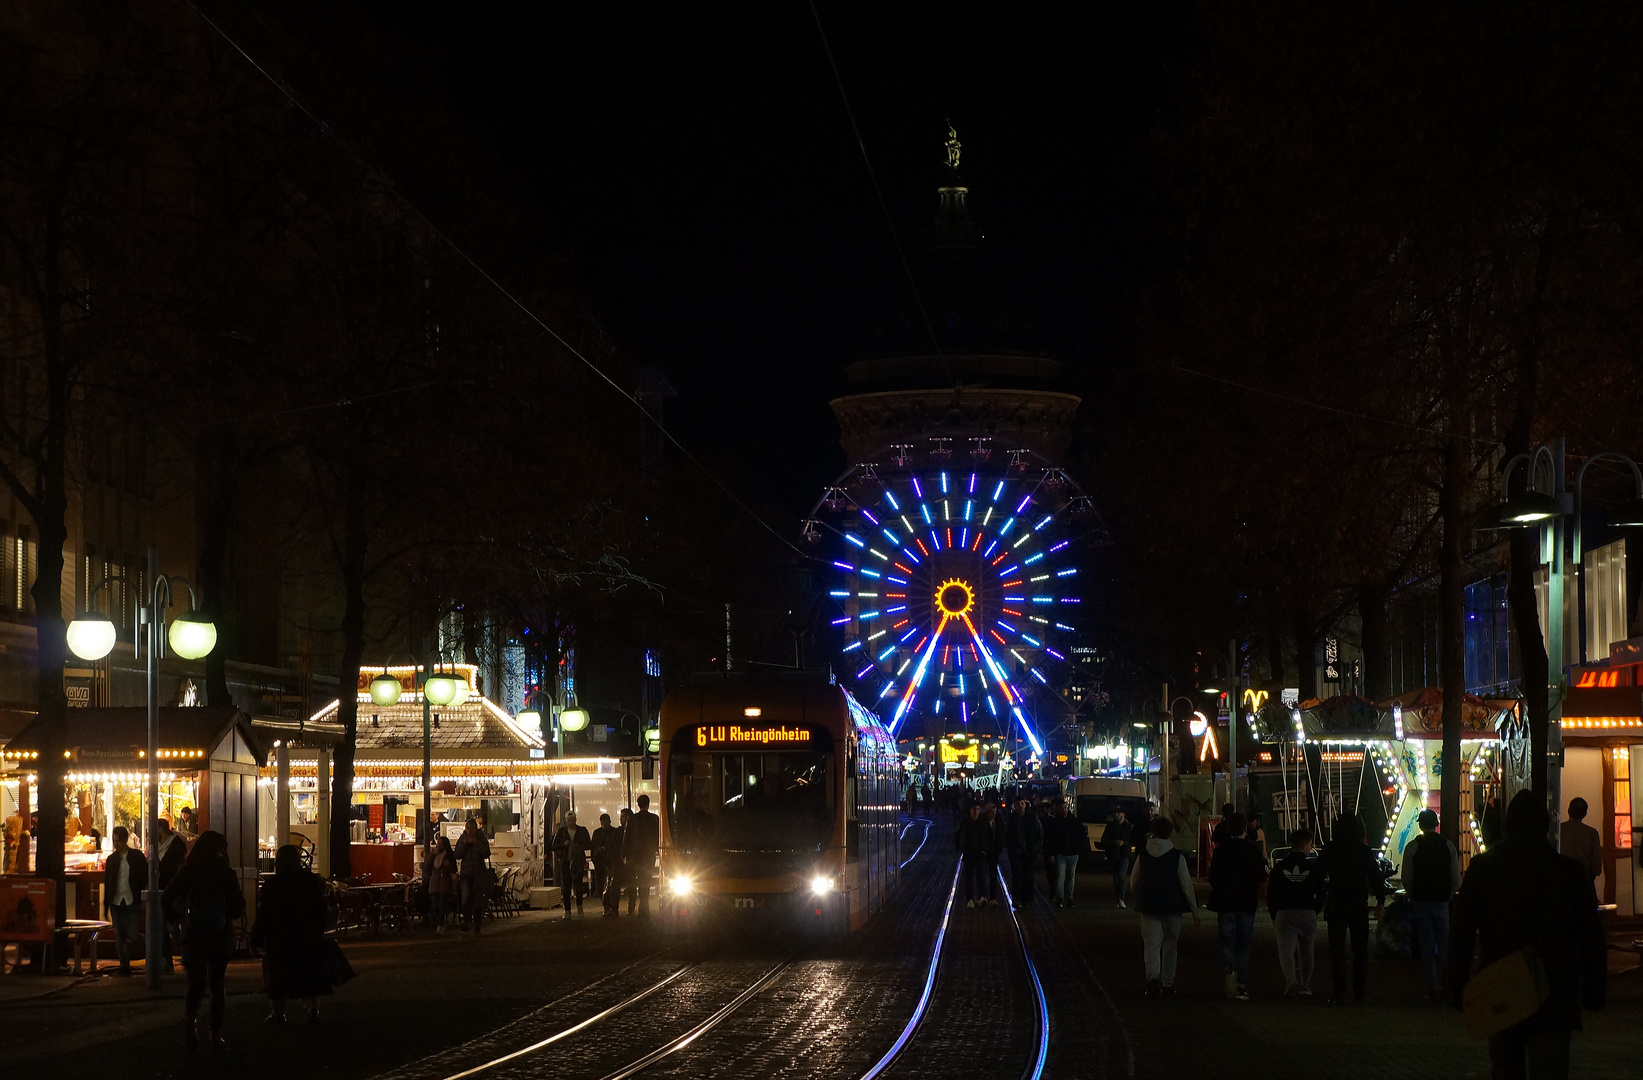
x=208 y=763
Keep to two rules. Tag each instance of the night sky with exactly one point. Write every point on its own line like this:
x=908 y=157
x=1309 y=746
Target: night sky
x=699 y=168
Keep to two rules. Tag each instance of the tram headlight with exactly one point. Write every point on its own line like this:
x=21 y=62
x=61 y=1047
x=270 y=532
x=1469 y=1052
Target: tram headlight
x=821 y=886
x=679 y=886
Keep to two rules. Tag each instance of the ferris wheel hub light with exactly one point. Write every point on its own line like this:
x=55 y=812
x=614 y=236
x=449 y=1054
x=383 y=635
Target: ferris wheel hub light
x=955 y=597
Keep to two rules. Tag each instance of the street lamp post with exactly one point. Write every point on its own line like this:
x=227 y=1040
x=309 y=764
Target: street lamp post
x=192 y=636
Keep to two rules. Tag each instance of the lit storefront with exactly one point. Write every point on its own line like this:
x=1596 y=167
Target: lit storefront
x=1602 y=729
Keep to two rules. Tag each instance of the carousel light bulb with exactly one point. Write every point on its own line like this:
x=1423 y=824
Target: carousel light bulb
x=91 y=636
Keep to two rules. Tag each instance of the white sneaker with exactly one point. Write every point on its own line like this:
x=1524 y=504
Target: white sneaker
x=1120 y=903
x=969 y=903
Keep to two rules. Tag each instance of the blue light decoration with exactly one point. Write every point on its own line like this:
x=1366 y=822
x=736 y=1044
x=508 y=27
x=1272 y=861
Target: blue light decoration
x=953 y=617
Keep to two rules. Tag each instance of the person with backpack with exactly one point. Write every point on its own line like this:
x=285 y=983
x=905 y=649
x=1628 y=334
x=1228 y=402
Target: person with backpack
x=1162 y=887
x=473 y=853
x=1431 y=876
x=1294 y=897
x=1522 y=899
x=1235 y=877
x=205 y=895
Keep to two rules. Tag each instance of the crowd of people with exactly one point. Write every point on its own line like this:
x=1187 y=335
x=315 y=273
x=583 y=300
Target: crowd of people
x=612 y=862
x=1520 y=902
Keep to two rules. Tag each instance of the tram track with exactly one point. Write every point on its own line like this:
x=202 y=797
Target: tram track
x=592 y=1035
x=915 y=1026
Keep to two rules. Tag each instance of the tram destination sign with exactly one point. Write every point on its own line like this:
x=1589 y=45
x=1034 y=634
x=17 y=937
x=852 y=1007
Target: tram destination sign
x=744 y=735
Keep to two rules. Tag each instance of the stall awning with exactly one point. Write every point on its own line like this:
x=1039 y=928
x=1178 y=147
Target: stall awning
x=1602 y=707
x=475 y=725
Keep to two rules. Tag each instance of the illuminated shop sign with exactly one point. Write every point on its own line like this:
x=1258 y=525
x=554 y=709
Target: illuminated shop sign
x=753 y=735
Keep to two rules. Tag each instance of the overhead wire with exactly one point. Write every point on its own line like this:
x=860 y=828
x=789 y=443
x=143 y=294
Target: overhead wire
x=491 y=280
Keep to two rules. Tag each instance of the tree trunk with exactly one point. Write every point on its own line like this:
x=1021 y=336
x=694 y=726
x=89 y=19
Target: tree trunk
x=1275 y=662
x=353 y=654
x=51 y=631
x=1451 y=609
x=1377 y=659
x=1306 y=656
x=1520 y=588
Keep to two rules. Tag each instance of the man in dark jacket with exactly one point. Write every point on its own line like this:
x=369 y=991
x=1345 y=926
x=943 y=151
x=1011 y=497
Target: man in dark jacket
x=173 y=850
x=1294 y=896
x=570 y=848
x=1118 y=840
x=1350 y=874
x=606 y=850
x=998 y=837
x=125 y=876
x=1522 y=894
x=1025 y=836
x=974 y=841
x=639 y=844
x=1065 y=839
x=618 y=871
x=1235 y=877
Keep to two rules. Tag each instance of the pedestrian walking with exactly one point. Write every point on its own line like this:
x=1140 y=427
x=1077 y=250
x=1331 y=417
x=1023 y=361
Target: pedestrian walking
x=1025 y=837
x=1163 y=893
x=473 y=874
x=1294 y=897
x=1066 y=839
x=602 y=854
x=206 y=898
x=1235 y=878
x=571 y=845
x=173 y=850
x=618 y=872
x=639 y=843
x=1117 y=839
x=1257 y=836
x=439 y=882
x=1431 y=875
x=1519 y=896
x=125 y=876
x=972 y=840
x=1350 y=876
x=290 y=930
x=998 y=835
x=1579 y=841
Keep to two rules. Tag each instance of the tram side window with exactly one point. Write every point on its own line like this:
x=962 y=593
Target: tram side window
x=852 y=813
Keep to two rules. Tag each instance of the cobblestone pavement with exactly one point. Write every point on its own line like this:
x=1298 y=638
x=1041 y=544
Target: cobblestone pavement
x=1392 y=1035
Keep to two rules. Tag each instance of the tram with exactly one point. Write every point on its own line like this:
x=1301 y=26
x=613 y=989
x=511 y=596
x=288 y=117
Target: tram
x=781 y=800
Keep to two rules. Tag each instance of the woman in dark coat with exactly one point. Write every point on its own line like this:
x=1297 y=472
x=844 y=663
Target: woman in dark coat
x=291 y=932
x=205 y=896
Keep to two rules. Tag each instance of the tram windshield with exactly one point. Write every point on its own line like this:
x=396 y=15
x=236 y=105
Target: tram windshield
x=750 y=801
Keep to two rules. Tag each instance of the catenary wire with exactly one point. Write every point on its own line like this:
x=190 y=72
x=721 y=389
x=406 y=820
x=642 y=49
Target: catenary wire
x=490 y=279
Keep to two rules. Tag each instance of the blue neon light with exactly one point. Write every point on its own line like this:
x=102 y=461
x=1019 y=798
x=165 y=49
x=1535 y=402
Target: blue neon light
x=864 y=572
x=1034 y=642
x=1011 y=570
x=944 y=483
x=1039 y=675
x=990 y=548
x=864 y=616
x=864 y=671
x=1004 y=530
x=890 y=536
x=843 y=565
x=852 y=646
x=841 y=622
x=964 y=538
x=916 y=489
x=1029 y=560
x=891 y=499
x=1068 y=572
x=855 y=540
x=839 y=593
x=1025 y=499
x=885 y=655
x=1047 y=519
x=925 y=510
x=1058 y=547
x=997 y=491
x=897 y=580
x=1007 y=626
x=895 y=610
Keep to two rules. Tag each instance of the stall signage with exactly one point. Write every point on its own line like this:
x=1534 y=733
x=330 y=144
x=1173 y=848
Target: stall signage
x=28 y=908
x=106 y=753
x=753 y=735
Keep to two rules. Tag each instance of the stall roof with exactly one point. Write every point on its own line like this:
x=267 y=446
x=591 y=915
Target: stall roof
x=181 y=727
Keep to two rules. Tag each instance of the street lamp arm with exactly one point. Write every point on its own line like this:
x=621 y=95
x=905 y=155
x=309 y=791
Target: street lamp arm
x=1531 y=458
x=1580 y=484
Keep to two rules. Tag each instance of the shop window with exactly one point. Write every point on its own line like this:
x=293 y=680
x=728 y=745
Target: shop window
x=1622 y=798
x=1606 y=611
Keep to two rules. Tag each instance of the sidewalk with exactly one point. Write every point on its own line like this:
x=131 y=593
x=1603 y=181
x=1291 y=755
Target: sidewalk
x=1393 y=1033
x=413 y=994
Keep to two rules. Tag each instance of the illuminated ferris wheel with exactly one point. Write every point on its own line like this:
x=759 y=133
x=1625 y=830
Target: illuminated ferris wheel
x=953 y=587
